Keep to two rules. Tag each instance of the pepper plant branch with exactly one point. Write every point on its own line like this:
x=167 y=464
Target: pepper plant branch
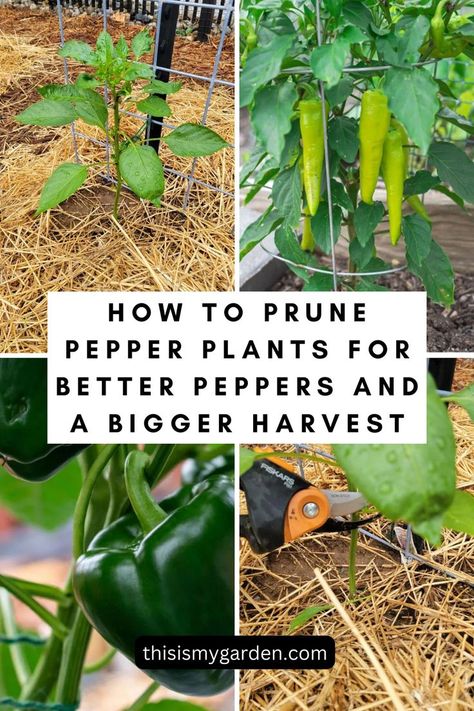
x=56 y=625
x=78 y=524
x=49 y=592
x=44 y=676
x=19 y=662
x=145 y=697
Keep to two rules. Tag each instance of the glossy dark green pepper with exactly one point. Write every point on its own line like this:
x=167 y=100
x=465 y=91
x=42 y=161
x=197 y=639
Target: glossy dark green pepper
x=24 y=451
x=194 y=471
x=154 y=573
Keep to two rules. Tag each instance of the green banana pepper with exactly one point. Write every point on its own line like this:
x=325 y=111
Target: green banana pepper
x=158 y=573
x=24 y=450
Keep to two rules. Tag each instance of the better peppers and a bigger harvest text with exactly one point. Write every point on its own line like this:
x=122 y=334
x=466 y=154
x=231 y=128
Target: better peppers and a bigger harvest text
x=385 y=114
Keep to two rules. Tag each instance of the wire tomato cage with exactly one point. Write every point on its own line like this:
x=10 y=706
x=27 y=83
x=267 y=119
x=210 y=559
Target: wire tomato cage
x=334 y=271
x=166 y=14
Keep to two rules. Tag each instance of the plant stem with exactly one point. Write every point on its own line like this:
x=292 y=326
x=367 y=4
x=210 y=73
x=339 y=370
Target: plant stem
x=157 y=466
x=20 y=665
x=101 y=663
x=78 y=526
x=72 y=662
x=45 y=674
x=352 y=560
x=116 y=131
x=49 y=592
x=56 y=625
x=144 y=698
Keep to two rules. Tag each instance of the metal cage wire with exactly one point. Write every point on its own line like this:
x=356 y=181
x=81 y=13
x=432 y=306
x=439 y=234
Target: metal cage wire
x=225 y=10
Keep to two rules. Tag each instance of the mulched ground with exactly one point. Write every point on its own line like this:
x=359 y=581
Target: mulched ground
x=448 y=329
x=188 y=55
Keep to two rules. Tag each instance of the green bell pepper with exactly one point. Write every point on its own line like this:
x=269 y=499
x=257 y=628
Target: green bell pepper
x=24 y=450
x=158 y=573
x=194 y=471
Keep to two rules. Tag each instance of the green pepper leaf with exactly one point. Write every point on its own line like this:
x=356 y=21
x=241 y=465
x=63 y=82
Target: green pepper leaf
x=451 y=195
x=91 y=108
x=289 y=248
x=62 y=183
x=454 y=167
x=356 y=13
x=452 y=117
x=343 y=136
x=193 y=139
x=338 y=93
x=361 y=254
x=142 y=170
x=413 y=99
x=263 y=64
x=138 y=70
x=420 y=183
x=121 y=47
x=154 y=106
x=436 y=273
x=411 y=482
x=104 y=49
x=141 y=43
x=320 y=226
x=366 y=219
x=271 y=116
x=327 y=61
x=418 y=239
x=48 y=112
x=162 y=87
x=319 y=282
x=258 y=230
x=464 y=398
x=47 y=505
x=460 y=515
x=340 y=196
x=246 y=459
x=286 y=195
x=78 y=50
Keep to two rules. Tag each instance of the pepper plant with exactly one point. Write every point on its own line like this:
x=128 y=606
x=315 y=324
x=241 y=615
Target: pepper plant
x=129 y=83
x=374 y=68
x=414 y=483
x=140 y=566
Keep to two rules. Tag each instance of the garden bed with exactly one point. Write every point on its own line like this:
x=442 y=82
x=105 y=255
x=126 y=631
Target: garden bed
x=417 y=620
x=78 y=246
x=448 y=329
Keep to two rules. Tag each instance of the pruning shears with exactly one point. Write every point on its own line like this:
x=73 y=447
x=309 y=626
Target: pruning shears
x=283 y=506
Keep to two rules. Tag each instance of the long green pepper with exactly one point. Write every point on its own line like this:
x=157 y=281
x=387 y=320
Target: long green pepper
x=373 y=128
x=312 y=135
x=393 y=169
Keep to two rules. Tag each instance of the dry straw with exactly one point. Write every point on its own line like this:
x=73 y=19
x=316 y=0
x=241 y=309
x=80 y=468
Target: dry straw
x=78 y=247
x=409 y=641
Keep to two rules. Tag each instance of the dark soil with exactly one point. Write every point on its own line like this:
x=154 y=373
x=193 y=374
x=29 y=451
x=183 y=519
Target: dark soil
x=449 y=329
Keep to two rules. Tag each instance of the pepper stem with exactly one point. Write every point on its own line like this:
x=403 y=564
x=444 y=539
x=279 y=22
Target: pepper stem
x=146 y=508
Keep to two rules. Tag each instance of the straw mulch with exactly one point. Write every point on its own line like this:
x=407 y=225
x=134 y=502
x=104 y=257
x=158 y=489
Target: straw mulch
x=408 y=643
x=77 y=247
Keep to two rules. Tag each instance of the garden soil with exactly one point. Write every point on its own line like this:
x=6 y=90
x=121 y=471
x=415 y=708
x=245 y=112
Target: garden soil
x=78 y=246
x=416 y=619
x=449 y=329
